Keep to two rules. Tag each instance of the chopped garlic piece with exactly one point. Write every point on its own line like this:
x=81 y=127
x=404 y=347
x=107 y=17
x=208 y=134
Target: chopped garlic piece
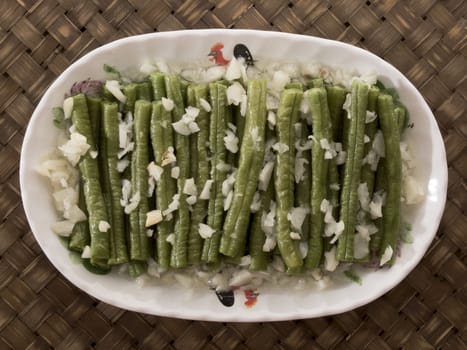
x=235 y=93
x=122 y=165
x=347 y=104
x=153 y=217
x=375 y=206
x=265 y=175
x=134 y=202
x=189 y=187
x=171 y=239
x=231 y=141
x=233 y=71
x=330 y=261
x=191 y=200
x=173 y=205
x=228 y=200
x=114 y=88
x=175 y=172
x=363 y=196
x=168 y=104
x=269 y=244
x=68 y=107
x=168 y=157
x=297 y=216
x=205 y=104
x=271 y=119
x=75 y=148
x=205 y=231
x=86 y=254
x=104 y=226
x=295 y=236
x=387 y=256
x=280 y=147
x=63 y=228
x=205 y=193
x=187 y=125
x=361 y=247
x=370 y=117
x=256 y=203
x=155 y=171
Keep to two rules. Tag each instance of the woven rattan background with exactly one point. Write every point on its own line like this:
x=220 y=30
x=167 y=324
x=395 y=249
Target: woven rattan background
x=425 y=39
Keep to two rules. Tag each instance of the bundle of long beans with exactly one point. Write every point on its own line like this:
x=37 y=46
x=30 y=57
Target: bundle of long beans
x=203 y=158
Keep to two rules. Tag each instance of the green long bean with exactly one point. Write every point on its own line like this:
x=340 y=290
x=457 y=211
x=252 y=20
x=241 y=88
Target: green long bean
x=90 y=176
x=260 y=258
x=217 y=126
x=317 y=98
x=79 y=237
x=178 y=257
x=108 y=155
x=139 y=242
x=249 y=167
x=200 y=171
x=287 y=116
x=352 y=169
x=158 y=85
x=391 y=209
x=303 y=187
x=130 y=93
x=162 y=139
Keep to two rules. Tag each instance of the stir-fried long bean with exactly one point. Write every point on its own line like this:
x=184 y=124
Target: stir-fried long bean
x=89 y=169
x=162 y=139
x=217 y=128
x=317 y=98
x=352 y=169
x=250 y=163
x=391 y=209
x=178 y=257
x=287 y=116
x=200 y=169
x=139 y=241
x=111 y=177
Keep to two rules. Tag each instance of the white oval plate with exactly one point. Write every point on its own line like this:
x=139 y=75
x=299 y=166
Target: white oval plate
x=202 y=304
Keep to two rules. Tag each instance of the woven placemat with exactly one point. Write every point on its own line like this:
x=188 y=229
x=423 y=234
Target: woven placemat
x=424 y=39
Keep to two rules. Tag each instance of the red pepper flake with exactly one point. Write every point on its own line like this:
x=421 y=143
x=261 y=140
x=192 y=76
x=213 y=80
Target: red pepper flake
x=251 y=297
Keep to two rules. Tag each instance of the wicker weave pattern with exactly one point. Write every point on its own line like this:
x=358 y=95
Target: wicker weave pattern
x=425 y=39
